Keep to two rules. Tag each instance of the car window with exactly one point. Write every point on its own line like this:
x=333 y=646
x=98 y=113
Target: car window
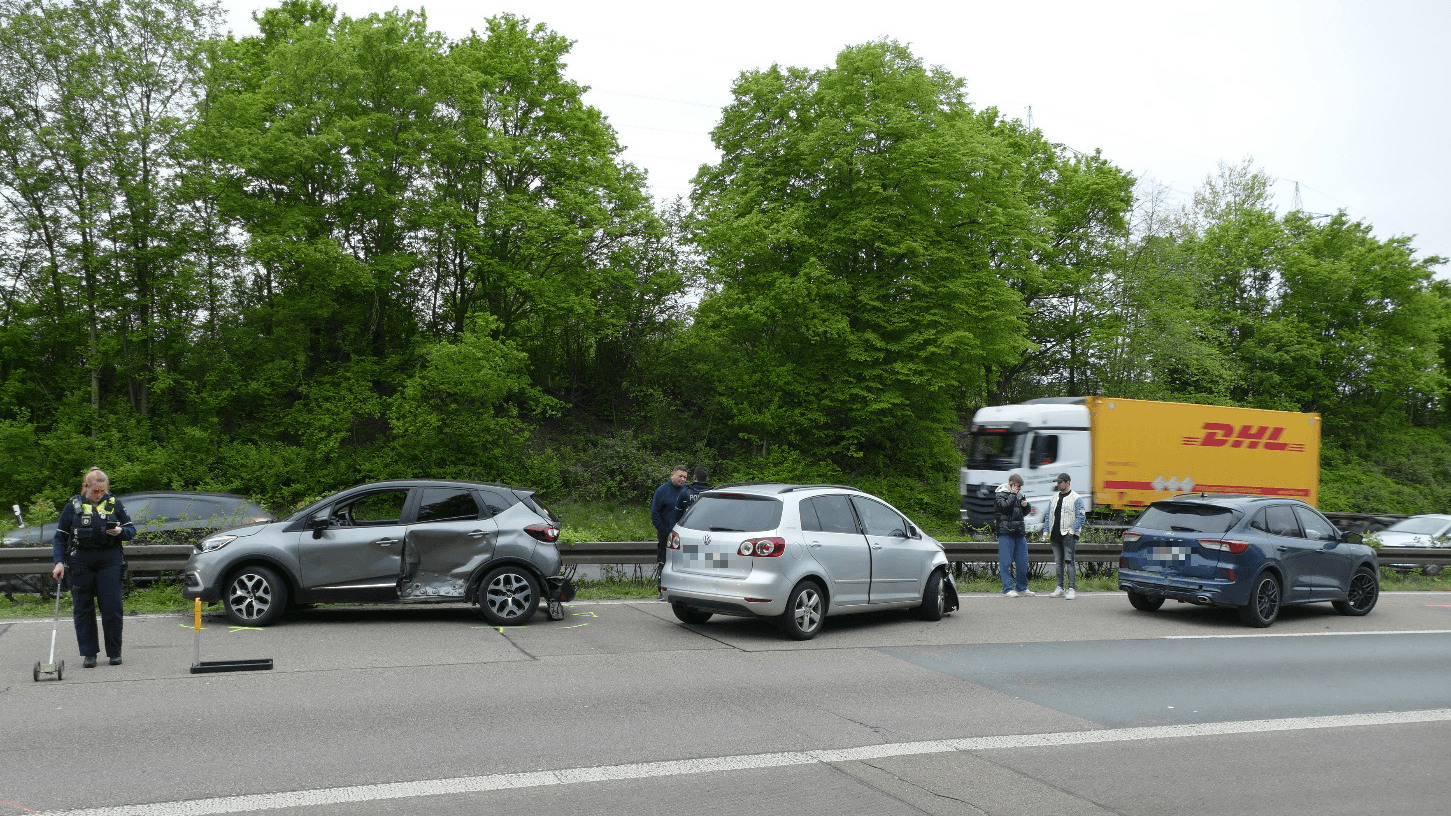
x=879 y=519
x=1260 y=522
x=383 y=507
x=809 y=522
x=1316 y=526
x=1281 y=521
x=1187 y=517
x=834 y=513
x=1044 y=450
x=735 y=512
x=447 y=504
x=139 y=510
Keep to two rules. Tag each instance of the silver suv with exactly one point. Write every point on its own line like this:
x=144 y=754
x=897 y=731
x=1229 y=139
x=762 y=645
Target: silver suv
x=390 y=542
x=797 y=553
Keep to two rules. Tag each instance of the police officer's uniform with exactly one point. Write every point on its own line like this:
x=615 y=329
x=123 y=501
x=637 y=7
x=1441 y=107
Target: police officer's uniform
x=94 y=564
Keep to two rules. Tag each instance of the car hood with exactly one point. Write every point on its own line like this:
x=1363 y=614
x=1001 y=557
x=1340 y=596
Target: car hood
x=1392 y=539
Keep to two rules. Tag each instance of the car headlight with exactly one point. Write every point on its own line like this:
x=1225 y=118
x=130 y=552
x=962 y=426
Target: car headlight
x=215 y=542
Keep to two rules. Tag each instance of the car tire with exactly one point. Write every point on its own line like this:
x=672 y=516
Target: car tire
x=805 y=609
x=689 y=614
x=1145 y=603
x=1264 y=602
x=1364 y=592
x=508 y=596
x=934 y=599
x=254 y=596
x=1430 y=569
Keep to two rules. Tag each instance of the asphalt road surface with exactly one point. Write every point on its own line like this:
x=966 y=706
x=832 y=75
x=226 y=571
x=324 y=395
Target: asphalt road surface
x=1008 y=706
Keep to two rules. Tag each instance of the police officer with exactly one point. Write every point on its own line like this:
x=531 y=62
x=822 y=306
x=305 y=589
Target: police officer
x=88 y=543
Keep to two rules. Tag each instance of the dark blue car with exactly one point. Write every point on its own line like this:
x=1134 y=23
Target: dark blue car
x=1254 y=553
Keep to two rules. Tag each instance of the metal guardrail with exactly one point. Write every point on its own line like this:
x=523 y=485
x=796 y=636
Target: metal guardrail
x=164 y=557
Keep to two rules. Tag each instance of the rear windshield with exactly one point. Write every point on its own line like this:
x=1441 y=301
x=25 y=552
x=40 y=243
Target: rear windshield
x=1187 y=518
x=733 y=512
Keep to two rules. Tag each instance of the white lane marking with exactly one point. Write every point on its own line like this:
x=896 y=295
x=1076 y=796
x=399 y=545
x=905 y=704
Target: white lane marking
x=681 y=767
x=1307 y=634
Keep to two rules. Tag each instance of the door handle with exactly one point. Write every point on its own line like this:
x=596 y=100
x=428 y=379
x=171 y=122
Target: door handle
x=876 y=546
x=1283 y=548
x=386 y=542
x=815 y=544
x=477 y=534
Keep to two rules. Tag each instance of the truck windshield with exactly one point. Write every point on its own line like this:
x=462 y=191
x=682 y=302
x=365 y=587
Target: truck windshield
x=993 y=448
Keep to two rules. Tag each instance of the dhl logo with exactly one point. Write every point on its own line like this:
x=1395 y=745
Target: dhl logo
x=1219 y=434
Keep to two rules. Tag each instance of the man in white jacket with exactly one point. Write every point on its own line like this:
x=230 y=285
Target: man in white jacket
x=1061 y=527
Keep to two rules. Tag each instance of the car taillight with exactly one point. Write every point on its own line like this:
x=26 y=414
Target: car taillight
x=548 y=533
x=1131 y=537
x=674 y=542
x=762 y=547
x=1225 y=545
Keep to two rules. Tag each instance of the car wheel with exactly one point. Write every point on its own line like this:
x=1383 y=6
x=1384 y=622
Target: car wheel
x=1431 y=569
x=689 y=614
x=1264 y=602
x=1145 y=603
x=1364 y=592
x=805 y=607
x=934 y=599
x=508 y=596
x=254 y=596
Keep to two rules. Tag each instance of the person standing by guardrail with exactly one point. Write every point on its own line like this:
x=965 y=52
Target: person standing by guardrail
x=665 y=510
x=1061 y=528
x=1012 y=509
x=87 y=543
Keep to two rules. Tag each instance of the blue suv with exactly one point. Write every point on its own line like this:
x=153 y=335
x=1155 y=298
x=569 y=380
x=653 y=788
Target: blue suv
x=1254 y=553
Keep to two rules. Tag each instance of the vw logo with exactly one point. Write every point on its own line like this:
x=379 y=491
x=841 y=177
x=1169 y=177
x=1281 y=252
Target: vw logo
x=705 y=540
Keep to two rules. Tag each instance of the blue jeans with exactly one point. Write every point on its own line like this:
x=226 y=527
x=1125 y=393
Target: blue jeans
x=1013 y=550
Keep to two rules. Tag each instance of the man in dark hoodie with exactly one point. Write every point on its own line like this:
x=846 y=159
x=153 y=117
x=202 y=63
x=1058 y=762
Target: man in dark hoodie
x=1012 y=508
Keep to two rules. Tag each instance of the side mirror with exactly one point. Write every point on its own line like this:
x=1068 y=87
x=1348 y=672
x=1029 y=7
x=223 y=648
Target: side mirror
x=1355 y=538
x=317 y=524
x=912 y=532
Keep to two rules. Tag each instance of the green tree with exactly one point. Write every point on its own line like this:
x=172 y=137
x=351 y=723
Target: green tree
x=857 y=231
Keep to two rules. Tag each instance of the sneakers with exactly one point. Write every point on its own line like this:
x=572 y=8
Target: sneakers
x=89 y=662
x=116 y=661
x=1057 y=593
x=1012 y=593
x=1028 y=592
x=1068 y=596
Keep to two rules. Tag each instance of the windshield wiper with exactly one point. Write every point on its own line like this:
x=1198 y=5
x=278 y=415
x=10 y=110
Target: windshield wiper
x=1176 y=528
x=725 y=530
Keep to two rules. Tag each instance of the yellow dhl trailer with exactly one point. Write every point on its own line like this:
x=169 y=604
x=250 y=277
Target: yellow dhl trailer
x=1124 y=454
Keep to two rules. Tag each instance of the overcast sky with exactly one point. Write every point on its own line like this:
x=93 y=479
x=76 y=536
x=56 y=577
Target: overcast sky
x=1350 y=99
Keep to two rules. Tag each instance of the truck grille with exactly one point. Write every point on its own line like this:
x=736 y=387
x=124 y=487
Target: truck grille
x=978 y=508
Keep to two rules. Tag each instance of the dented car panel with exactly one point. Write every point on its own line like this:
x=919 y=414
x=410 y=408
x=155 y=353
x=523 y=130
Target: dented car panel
x=388 y=542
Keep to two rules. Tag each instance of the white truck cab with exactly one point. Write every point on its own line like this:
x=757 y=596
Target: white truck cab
x=1037 y=440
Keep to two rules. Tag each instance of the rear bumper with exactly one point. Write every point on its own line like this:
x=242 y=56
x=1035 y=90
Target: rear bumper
x=1206 y=592
x=759 y=594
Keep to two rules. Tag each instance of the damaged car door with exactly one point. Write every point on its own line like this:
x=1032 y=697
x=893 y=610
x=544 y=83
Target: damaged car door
x=453 y=536
x=355 y=549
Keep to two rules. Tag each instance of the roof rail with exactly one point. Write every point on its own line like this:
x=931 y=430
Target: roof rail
x=790 y=488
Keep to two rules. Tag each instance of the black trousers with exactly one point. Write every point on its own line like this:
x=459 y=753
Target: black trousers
x=95 y=576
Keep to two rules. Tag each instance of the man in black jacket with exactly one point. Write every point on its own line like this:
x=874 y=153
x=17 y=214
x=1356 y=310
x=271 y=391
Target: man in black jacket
x=1012 y=508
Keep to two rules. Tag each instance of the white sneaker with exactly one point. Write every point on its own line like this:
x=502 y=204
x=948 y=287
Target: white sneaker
x=1068 y=596
x=1030 y=593
x=1057 y=593
x=1012 y=593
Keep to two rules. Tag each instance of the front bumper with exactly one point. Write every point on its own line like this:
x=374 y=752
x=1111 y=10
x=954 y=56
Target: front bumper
x=193 y=587
x=1202 y=591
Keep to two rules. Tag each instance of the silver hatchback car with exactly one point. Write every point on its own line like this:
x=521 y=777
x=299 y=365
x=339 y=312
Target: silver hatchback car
x=797 y=553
